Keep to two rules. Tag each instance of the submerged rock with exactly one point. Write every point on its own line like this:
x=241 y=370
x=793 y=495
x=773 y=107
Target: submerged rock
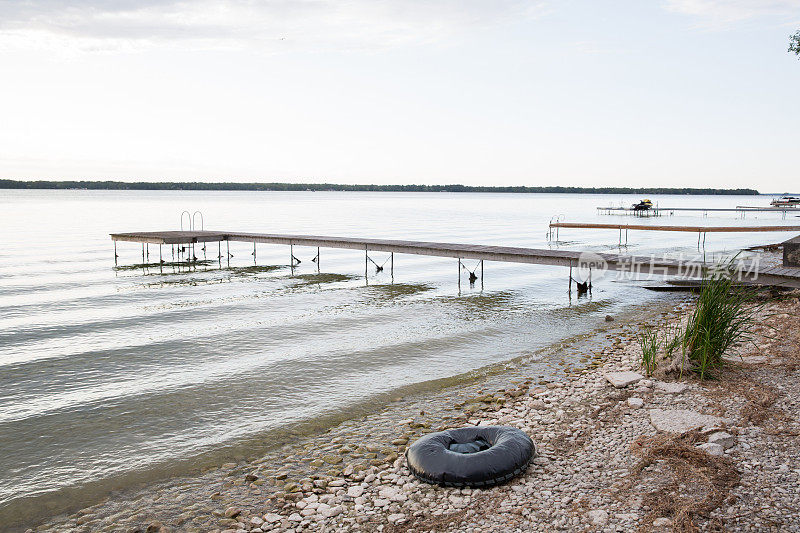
x=232 y=512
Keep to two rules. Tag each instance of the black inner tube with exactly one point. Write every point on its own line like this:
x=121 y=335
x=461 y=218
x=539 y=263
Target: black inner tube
x=475 y=456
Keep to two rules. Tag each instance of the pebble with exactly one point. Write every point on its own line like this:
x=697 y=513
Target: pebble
x=712 y=448
x=635 y=403
x=723 y=438
x=598 y=517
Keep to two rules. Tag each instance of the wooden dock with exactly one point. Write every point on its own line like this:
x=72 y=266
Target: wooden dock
x=741 y=209
x=634 y=265
x=700 y=230
x=688 y=229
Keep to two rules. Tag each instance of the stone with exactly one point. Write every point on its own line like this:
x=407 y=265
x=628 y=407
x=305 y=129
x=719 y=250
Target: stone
x=598 y=517
x=256 y=521
x=723 y=438
x=355 y=491
x=272 y=518
x=396 y=518
x=538 y=404
x=291 y=487
x=682 y=420
x=333 y=511
x=232 y=512
x=609 y=318
x=621 y=380
x=635 y=403
x=249 y=478
x=321 y=508
x=662 y=522
x=295 y=517
x=670 y=387
x=712 y=448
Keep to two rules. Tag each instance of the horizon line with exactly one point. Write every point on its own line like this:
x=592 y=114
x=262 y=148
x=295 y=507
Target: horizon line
x=289 y=186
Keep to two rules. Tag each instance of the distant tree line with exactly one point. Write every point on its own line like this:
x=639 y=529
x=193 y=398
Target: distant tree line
x=230 y=186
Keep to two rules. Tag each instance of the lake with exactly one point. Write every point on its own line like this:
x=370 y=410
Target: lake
x=110 y=376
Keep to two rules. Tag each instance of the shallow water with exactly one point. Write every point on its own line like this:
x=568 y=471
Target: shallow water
x=110 y=375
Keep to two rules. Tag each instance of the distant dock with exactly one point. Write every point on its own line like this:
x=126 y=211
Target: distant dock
x=636 y=265
x=658 y=211
x=700 y=230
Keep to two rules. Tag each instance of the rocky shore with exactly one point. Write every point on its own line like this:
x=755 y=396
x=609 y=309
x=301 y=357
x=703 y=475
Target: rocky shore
x=617 y=452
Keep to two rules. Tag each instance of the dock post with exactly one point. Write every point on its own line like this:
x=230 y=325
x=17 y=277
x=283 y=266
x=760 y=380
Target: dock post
x=148 y=252
x=160 y=257
x=391 y=267
x=366 y=261
x=569 y=290
x=173 y=252
x=228 y=251
x=291 y=256
x=318 y=260
x=254 y=252
x=219 y=252
x=481 y=274
x=142 y=252
x=459 y=275
x=115 y=253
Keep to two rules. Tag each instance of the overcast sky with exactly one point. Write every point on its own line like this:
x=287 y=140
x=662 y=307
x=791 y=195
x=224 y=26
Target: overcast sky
x=494 y=92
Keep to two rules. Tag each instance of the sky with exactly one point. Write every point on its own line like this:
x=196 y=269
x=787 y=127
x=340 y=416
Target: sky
x=675 y=93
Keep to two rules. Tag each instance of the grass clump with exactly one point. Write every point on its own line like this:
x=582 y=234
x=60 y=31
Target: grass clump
x=724 y=316
x=649 y=343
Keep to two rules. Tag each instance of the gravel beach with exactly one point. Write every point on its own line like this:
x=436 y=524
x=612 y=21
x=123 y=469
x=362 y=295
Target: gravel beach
x=656 y=454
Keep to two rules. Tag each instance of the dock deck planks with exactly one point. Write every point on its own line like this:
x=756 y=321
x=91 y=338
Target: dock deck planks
x=567 y=258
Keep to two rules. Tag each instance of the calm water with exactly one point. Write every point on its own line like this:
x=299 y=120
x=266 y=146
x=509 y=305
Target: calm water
x=109 y=376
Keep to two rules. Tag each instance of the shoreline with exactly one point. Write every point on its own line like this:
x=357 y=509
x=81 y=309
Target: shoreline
x=564 y=358
x=592 y=439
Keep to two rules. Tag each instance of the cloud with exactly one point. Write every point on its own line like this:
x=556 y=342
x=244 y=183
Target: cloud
x=271 y=25
x=720 y=13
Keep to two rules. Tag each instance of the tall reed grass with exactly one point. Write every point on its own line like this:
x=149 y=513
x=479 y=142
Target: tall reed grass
x=649 y=343
x=724 y=316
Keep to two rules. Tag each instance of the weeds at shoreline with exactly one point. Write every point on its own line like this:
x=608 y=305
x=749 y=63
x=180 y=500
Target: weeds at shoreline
x=724 y=316
x=649 y=343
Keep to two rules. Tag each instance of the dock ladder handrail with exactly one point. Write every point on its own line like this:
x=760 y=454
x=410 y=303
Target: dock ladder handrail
x=189 y=215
